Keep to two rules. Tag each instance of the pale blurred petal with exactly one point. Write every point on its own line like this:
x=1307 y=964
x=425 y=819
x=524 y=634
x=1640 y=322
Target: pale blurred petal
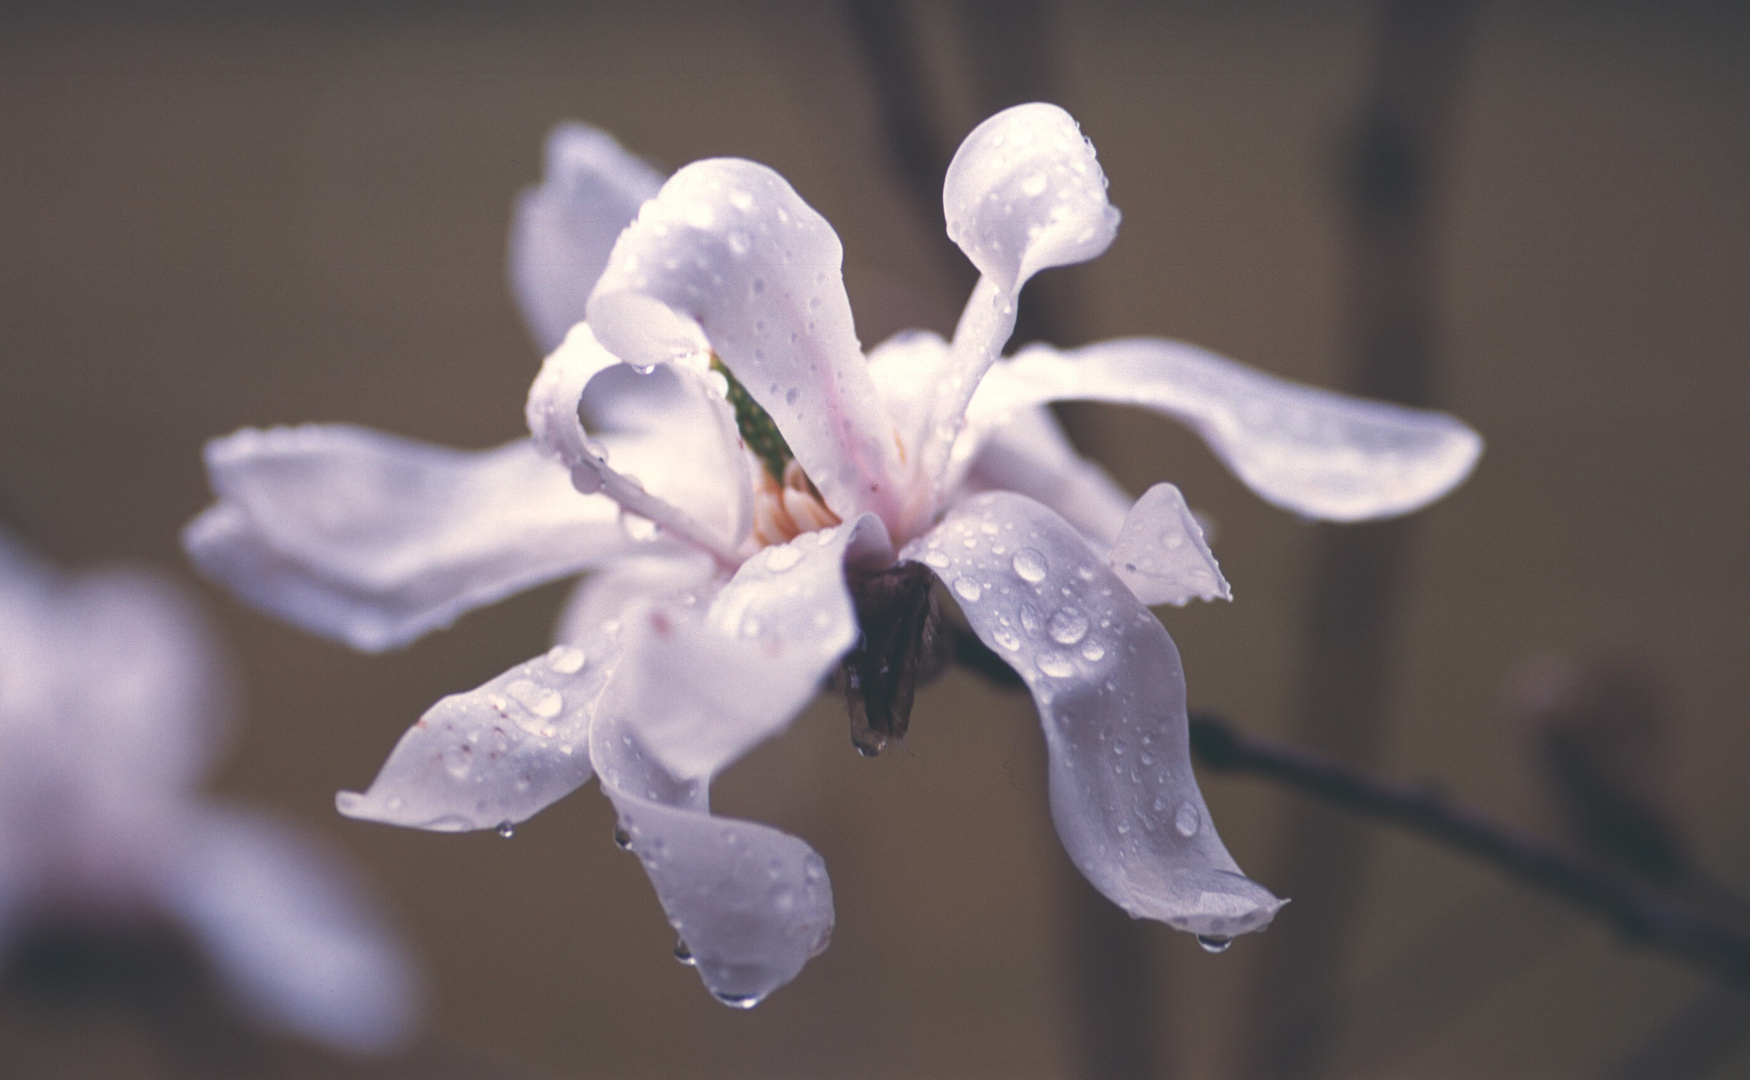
x=1111 y=697
x=375 y=540
x=906 y=369
x=729 y=257
x=495 y=755
x=603 y=596
x=1317 y=453
x=290 y=932
x=1023 y=193
x=1031 y=456
x=1160 y=553
x=564 y=229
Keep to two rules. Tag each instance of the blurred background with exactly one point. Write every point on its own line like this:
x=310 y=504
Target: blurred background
x=222 y=215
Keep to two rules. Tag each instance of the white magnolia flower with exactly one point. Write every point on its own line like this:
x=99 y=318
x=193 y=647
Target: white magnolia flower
x=111 y=707
x=763 y=503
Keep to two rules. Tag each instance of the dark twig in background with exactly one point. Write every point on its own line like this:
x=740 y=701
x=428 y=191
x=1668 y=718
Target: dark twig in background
x=1390 y=183
x=1640 y=911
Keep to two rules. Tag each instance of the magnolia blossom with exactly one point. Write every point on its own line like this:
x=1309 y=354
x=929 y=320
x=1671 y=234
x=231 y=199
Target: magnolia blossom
x=112 y=705
x=763 y=505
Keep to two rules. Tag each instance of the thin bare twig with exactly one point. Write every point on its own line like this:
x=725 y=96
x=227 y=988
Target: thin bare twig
x=1638 y=910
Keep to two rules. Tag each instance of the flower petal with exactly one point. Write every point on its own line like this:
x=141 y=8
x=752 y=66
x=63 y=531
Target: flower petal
x=1023 y=193
x=288 y=930
x=375 y=540
x=605 y=595
x=495 y=755
x=1160 y=553
x=564 y=229
x=1111 y=698
x=729 y=255
x=1031 y=456
x=1311 y=451
x=683 y=431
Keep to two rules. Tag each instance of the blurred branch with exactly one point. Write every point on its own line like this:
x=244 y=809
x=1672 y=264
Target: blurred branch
x=1640 y=912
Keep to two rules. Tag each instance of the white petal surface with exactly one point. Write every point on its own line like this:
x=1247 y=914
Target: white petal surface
x=290 y=933
x=564 y=229
x=603 y=596
x=1023 y=193
x=1111 y=698
x=1161 y=554
x=1030 y=455
x=1317 y=453
x=375 y=540
x=728 y=254
x=497 y=754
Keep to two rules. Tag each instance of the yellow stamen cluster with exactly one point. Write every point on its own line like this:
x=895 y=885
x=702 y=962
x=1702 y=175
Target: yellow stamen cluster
x=782 y=513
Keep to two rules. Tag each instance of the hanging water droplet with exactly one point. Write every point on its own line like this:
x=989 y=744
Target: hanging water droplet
x=737 y=1001
x=1068 y=626
x=586 y=479
x=967 y=589
x=506 y=829
x=637 y=527
x=682 y=953
x=566 y=659
x=1030 y=565
x=1214 y=943
x=1186 y=820
x=781 y=557
x=622 y=838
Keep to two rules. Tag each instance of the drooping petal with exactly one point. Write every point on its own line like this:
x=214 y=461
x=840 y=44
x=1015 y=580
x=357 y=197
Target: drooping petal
x=1031 y=456
x=691 y=694
x=564 y=229
x=495 y=755
x=1111 y=697
x=729 y=257
x=289 y=932
x=708 y=431
x=1160 y=552
x=374 y=539
x=1023 y=193
x=1314 y=452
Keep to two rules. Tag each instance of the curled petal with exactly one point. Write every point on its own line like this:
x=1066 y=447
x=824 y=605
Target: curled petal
x=495 y=755
x=1031 y=456
x=375 y=540
x=1111 y=697
x=1311 y=451
x=1160 y=553
x=1023 y=193
x=729 y=257
x=678 y=396
x=564 y=229
x=290 y=932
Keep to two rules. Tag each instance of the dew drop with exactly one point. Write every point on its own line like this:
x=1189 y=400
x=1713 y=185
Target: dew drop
x=637 y=527
x=936 y=559
x=1068 y=626
x=506 y=829
x=1056 y=665
x=967 y=589
x=586 y=479
x=1031 y=620
x=566 y=659
x=1186 y=821
x=781 y=557
x=1030 y=565
x=1034 y=185
x=1214 y=943
x=737 y=1001
x=1008 y=639
x=1093 y=650
x=622 y=838
x=682 y=953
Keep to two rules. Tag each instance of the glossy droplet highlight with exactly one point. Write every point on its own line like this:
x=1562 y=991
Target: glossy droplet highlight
x=1214 y=943
x=622 y=838
x=1056 y=665
x=782 y=557
x=566 y=659
x=1030 y=565
x=1008 y=639
x=1186 y=820
x=967 y=589
x=1093 y=650
x=1067 y=626
x=737 y=1001
x=936 y=559
x=682 y=953
x=506 y=829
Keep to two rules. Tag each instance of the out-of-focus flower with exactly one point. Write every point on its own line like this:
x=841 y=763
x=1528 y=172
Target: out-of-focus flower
x=112 y=704
x=763 y=503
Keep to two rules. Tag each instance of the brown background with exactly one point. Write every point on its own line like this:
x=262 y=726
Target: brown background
x=212 y=217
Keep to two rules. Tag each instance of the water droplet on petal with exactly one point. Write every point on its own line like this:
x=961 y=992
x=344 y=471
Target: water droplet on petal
x=1093 y=650
x=781 y=557
x=1031 y=565
x=637 y=527
x=1031 y=620
x=507 y=829
x=967 y=589
x=936 y=559
x=586 y=479
x=1056 y=665
x=683 y=953
x=566 y=659
x=1186 y=821
x=1008 y=639
x=1068 y=626
x=622 y=838
x=1214 y=943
